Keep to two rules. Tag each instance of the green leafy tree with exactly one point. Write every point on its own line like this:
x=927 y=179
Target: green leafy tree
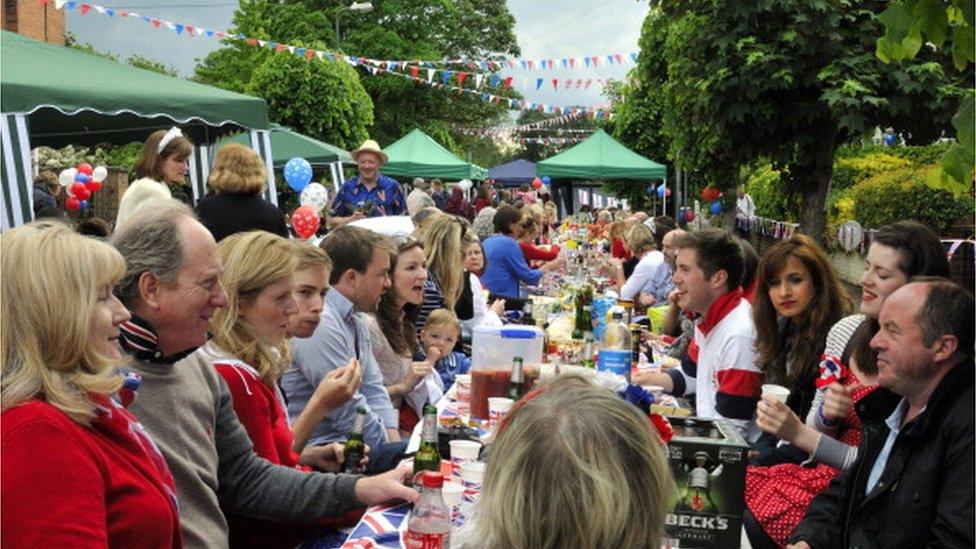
x=785 y=80
x=910 y=22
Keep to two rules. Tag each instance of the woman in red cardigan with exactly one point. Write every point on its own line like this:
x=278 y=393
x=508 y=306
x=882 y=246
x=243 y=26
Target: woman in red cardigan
x=76 y=469
x=535 y=256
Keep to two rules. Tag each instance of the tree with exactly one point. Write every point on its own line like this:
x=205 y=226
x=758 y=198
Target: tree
x=786 y=80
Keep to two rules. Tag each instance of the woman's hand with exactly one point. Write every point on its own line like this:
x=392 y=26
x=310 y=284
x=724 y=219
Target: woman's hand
x=776 y=418
x=838 y=400
x=498 y=307
x=339 y=385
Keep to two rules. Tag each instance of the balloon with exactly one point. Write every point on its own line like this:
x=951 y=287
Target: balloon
x=67 y=177
x=305 y=221
x=298 y=172
x=710 y=193
x=661 y=190
x=315 y=196
x=76 y=188
x=465 y=184
x=85 y=168
x=689 y=216
x=667 y=192
x=73 y=204
x=546 y=179
x=83 y=204
x=93 y=186
x=82 y=177
x=83 y=193
x=715 y=207
x=536 y=183
x=99 y=174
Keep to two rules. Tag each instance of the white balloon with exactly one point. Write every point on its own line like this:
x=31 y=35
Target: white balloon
x=99 y=174
x=67 y=177
x=315 y=196
x=465 y=184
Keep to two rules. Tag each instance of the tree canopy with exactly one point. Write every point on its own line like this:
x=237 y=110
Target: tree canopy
x=786 y=80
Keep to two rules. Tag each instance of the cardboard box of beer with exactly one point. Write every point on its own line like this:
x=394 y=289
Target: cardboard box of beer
x=708 y=459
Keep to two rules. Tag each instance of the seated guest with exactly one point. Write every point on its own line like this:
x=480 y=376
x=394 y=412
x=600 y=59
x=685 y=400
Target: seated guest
x=422 y=220
x=535 y=256
x=473 y=296
x=394 y=335
x=641 y=243
x=506 y=263
x=94 y=226
x=616 y=237
x=47 y=187
x=439 y=336
x=483 y=223
x=750 y=266
x=912 y=483
x=474 y=257
x=360 y=274
x=574 y=425
x=238 y=178
x=458 y=205
x=419 y=198
x=777 y=496
x=172 y=286
x=726 y=381
x=442 y=245
x=76 y=469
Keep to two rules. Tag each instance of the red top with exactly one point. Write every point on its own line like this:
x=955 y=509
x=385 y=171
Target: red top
x=618 y=250
x=63 y=484
x=534 y=253
x=481 y=203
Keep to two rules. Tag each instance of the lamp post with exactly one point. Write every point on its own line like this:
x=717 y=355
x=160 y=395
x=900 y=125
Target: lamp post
x=356 y=7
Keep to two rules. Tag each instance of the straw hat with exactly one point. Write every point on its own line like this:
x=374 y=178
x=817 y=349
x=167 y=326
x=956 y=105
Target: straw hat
x=370 y=146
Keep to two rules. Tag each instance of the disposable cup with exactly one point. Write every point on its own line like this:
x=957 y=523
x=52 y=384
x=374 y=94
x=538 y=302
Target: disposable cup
x=472 y=475
x=463 y=451
x=462 y=384
x=778 y=392
x=452 y=492
x=497 y=408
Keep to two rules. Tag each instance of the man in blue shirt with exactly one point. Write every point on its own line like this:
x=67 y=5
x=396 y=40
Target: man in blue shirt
x=360 y=274
x=370 y=194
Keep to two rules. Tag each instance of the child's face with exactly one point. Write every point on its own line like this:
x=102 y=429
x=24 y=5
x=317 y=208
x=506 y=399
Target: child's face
x=442 y=336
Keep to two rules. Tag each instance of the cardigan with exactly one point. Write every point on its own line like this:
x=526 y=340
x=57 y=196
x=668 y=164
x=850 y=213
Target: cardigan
x=227 y=213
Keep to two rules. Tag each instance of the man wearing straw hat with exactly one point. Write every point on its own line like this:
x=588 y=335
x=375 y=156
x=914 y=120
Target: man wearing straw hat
x=369 y=194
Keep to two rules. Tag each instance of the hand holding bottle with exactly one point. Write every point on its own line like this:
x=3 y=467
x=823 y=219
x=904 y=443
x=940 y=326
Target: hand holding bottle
x=386 y=487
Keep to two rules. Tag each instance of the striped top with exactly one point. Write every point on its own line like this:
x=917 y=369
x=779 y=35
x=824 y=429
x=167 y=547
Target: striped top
x=433 y=300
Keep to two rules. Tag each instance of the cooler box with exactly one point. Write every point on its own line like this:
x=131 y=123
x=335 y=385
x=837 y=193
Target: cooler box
x=492 y=351
x=708 y=461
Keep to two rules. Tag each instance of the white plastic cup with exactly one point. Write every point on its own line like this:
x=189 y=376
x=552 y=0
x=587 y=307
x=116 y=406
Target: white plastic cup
x=778 y=392
x=472 y=475
x=452 y=492
x=463 y=451
x=462 y=383
x=497 y=408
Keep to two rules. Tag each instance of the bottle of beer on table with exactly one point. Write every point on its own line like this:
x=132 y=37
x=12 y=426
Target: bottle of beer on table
x=588 y=351
x=527 y=318
x=355 y=447
x=516 y=384
x=428 y=457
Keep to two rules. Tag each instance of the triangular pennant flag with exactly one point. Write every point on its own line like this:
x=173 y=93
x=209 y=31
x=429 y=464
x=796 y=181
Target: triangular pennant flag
x=309 y=54
x=445 y=77
x=70 y=5
x=633 y=56
x=299 y=51
x=586 y=85
x=262 y=43
x=170 y=25
x=531 y=64
x=320 y=54
x=507 y=83
x=586 y=60
x=619 y=58
x=568 y=83
x=291 y=49
x=572 y=62
x=430 y=75
x=609 y=60
x=280 y=47
x=254 y=42
x=98 y=8
x=538 y=83
x=461 y=77
x=579 y=82
x=414 y=71
x=330 y=56
x=179 y=28
x=495 y=80
x=478 y=79
x=596 y=61
x=85 y=8
x=210 y=33
x=58 y=4
x=555 y=83
x=220 y=35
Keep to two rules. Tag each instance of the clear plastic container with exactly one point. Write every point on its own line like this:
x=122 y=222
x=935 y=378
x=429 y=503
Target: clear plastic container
x=493 y=348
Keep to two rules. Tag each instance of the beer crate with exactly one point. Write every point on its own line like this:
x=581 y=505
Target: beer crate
x=708 y=460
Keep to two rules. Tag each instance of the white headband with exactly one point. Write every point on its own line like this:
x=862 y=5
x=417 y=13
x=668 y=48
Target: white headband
x=171 y=134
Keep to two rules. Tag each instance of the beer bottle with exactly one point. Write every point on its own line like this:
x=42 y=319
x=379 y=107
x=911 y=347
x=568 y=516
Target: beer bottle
x=355 y=447
x=516 y=384
x=527 y=319
x=428 y=457
x=588 y=343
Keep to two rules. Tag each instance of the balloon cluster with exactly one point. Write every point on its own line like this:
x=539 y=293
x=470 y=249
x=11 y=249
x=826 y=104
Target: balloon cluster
x=465 y=184
x=81 y=182
x=537 y=183
x=298 y=172
x=687 y=215
x=663 y=191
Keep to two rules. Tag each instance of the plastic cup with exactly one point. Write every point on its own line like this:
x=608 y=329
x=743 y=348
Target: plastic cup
x=463 y=451
x=778 y=392
x=462 y=385
x=452 y=492
x=497 y=408
x=472 y=475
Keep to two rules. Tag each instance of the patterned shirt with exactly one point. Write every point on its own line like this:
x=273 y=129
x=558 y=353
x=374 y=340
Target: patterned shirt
x=386 y=198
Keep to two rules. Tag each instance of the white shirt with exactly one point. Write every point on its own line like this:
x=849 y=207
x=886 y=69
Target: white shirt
x=642 y=274
x=745 y=207
x=482 y=314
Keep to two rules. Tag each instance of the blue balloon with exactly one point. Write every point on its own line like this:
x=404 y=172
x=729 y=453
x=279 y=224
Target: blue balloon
x=649 y=189
x=83 y=204
x=715 y=207
x=298 y=173
x=660 y=190
x=82 y=177
x=546 y=180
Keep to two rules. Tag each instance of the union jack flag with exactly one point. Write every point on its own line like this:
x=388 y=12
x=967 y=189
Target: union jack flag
x=381 y=527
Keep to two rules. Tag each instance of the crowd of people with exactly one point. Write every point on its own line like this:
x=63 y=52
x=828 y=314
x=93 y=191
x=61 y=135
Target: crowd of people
x=189 y=379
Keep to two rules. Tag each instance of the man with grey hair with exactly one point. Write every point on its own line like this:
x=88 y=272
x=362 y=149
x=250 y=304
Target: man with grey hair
x=172 y=287
x=419 y=198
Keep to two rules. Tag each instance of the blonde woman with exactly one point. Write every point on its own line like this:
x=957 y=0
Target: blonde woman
x=250 y=351
x=76 y=469
x=640 y=240
x=237 y=179
x=445 y=265
x=616 y=498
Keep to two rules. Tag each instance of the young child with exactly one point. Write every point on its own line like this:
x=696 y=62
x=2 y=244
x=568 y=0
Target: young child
x=442 y=331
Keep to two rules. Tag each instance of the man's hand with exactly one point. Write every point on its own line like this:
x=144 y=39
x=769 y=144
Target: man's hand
x=673 y=297
x=339 y=385
x=330 y=457
x=386 y=487
x=799 y=545
x=838 y=400
x=647 y=300
x=776 y=418
x=337 y=221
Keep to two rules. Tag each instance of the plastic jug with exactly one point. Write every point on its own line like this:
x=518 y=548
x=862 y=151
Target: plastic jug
x=493 y=348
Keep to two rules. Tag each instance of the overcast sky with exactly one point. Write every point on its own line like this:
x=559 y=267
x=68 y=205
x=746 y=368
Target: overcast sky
x=544 y=28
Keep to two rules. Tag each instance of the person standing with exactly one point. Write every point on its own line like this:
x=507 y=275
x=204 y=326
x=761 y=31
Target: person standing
x=438 y=193
x=912 y=483
x=745 y=210
x=46 y=191
x=369 y=194
x=163 y=161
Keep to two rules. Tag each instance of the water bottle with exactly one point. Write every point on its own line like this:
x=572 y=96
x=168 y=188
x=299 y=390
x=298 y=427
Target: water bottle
x=617 y=349
x=429 y=526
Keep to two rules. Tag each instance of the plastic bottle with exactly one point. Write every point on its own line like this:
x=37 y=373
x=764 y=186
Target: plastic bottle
x=429 y=526
x=615 y=353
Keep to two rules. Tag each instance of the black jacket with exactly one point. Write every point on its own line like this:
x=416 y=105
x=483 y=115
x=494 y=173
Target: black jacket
x=228 y=213
x=924 y=497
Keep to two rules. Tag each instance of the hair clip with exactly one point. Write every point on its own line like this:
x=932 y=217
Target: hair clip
x=171 y=134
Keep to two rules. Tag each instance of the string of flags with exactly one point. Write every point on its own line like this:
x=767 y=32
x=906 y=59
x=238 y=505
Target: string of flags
x=774 y=228
x=565 y=63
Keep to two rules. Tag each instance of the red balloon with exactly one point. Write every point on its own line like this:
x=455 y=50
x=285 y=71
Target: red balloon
x=536 y=183
x=305 y=221
x=93 y=185
x=73 y=204
x=710 y=193
x=76 y=189
x=689 y=216
x=85 y=168
x=82 y=193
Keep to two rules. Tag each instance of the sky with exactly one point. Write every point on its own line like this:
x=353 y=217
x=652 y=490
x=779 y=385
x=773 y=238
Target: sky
x=544 y=29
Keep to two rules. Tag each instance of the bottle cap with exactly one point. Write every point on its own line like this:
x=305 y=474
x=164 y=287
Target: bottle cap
x=431 y=479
